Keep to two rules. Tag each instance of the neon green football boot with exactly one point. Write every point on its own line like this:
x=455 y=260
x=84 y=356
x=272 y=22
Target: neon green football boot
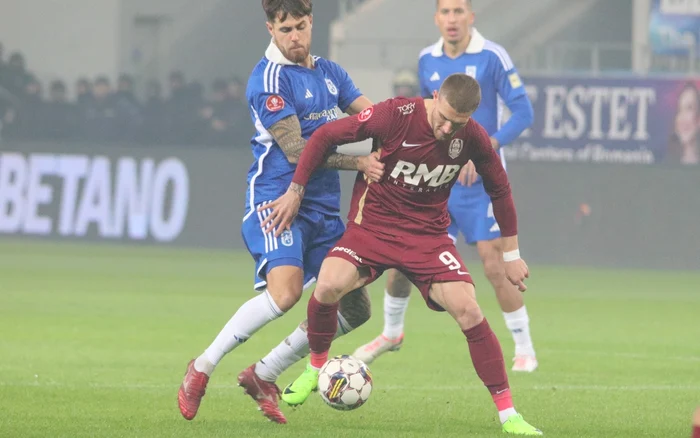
x=297 y=393
x=516 y=425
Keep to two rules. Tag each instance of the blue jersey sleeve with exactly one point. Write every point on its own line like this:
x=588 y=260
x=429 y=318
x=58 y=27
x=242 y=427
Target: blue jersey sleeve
x=347 y=91
x=423 y=77
x=270 y=95
x=510 y=88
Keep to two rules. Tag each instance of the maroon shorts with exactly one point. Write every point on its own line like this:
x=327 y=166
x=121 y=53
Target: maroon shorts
x=423 y=259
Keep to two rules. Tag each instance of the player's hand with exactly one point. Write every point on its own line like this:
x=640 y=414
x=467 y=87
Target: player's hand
x=371 y=167
x=283 y=210
x=468 y=175
x=516 y=272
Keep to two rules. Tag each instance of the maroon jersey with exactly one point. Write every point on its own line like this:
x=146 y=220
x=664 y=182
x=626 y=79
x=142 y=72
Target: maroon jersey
x=419 y=170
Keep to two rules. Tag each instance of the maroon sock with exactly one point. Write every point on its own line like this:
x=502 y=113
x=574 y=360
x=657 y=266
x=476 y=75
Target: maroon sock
x=323 y=323
x=487 y=358
x=696 y=432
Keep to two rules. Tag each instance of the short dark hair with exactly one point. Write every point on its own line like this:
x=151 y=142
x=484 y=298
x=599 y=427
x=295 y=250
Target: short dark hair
x=469 y=3
x=462 y=92
x=282 y=8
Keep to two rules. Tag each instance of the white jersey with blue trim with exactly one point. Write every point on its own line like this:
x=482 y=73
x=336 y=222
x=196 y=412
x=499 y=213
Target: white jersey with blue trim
x=278 y=88
x=484 y=60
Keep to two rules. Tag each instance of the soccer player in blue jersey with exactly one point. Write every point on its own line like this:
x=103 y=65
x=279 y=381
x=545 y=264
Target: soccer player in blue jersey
x=462 y=49
x=290 y=94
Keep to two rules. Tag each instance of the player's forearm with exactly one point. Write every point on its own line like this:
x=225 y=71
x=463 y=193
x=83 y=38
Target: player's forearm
x=313 y=156
x=505 y=214
x=510 y=244
x=522 y=116
x=341 y=162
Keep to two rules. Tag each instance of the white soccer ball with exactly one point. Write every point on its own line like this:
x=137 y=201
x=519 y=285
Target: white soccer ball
x=344 y=383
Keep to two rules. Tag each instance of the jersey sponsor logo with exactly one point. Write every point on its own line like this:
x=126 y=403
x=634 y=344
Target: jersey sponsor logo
x=274 y=103
x=331 y=87
x=328 y=114
x=348 y=251
x=515 y=81
x=470 y=70
x=456 y=147
x=407 y=109
x=417 y=175
x=365 y=114
x=287 y=238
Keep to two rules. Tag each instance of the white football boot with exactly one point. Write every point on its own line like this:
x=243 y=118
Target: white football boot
x=381 y=344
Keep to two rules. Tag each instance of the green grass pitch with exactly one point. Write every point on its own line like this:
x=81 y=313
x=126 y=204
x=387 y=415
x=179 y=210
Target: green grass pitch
x=94 y=341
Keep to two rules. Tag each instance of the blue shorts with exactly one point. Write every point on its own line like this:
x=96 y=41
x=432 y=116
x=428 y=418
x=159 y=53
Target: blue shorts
x=313 y=234
x=471 y=213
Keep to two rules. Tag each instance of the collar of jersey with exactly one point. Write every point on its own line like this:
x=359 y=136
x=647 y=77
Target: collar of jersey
x=476 y=44
x=274 y=54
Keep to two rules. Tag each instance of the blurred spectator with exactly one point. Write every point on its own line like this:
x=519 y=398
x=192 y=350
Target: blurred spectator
x=128 y=117
x=405 y=83
x=153 y=128
x=26 y=119
x=101 y=114
x=15 y=77
x=180 y=110
x=83 y=92
x=99 y=121
x=61 y=116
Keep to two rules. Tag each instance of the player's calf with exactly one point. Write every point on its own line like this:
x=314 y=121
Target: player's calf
x=355 y=308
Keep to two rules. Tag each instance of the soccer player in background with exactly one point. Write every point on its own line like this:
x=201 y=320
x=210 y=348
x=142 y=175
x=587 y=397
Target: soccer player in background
x=290 y=94
x=696 y=424
x=401 y=222
x=462 y=49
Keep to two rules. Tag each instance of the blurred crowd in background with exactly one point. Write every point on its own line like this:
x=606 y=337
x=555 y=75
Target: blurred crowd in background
x=100 y=110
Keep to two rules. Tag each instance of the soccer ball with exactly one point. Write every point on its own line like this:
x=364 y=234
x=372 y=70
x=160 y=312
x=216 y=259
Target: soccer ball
x=344 y=383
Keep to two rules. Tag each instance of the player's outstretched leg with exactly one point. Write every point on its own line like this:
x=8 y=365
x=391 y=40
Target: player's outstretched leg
x=398 y=290
x=284 y=290
x=354 y=310
x=512 y=305
x=459 y=300
x=336 y=278
x=696 y=424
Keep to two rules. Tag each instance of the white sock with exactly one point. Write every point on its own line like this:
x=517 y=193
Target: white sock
x=505 y=414
x=290 y=351
x=519 y=325
x=394 y=313
x=250 y=317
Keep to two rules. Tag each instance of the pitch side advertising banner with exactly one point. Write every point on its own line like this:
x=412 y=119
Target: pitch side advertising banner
x=674 y=27
x=131 y=194
x=627 y=121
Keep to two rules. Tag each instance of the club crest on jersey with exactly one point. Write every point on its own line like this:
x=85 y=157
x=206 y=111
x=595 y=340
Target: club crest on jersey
x=365 y=114
x=455 y=148
x=470 y=70
x=331 y=87
x=287 y=238
x=274 y=103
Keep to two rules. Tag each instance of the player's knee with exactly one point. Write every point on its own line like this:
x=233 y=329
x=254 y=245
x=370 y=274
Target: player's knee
x=469 y=316
x=285 y=297
x=328 y=291
x=398 y=285
x=356 y=307
x=493 y=263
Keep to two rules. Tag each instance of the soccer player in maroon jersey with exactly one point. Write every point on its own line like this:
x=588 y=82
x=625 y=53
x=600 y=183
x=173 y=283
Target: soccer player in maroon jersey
x=696 y=424
x=401 y=222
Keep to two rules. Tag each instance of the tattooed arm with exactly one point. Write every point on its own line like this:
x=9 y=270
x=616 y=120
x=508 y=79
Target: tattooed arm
x=287 y=134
